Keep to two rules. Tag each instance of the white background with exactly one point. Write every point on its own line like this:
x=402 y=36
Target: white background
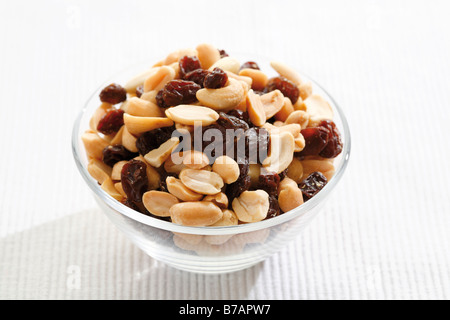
x=384 y=233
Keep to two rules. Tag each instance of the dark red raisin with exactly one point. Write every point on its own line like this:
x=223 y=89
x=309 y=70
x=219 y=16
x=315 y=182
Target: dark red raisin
x=242 y=184
x=269 y=182
x=134 y=180
x=159 y=99
x=256 y=144
x=223 y=53
x=113 y=94
x=215 y=79
x=139 y=91
x=111 y=122
x=334 y=145
x=197 y=76
x=243 y=115
x=312 y=185
x=250 y=65
x=153 y=139
x=188 y=64
x=316 y=138
x=287 y=88
x=116 y=153
x=231 y=122
x=180 y=92
x=274 y=208
x=210 y=142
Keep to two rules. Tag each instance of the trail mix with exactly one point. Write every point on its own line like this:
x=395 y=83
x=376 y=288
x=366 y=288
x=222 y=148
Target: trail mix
x=200 y=139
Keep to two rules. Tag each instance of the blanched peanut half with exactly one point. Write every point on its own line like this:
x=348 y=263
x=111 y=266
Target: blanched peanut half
x=179 y=190
x=243 y=79
x=156 y=157
x=300 y=117
x=176 y=55
x=139 y=125
x=174 y=164
x=281 y=152
x=94 y=144
x=259 y=78
x=286 y=71
x=272 y=103
x=119 y=188
x=108 y=186
x=190 y=115
x=207 y=54
x=227 y=168
x=251 y=206
x=305 y=90
x=299 y=143
x=227 y=64
x=158 y=79
x=225 y=98
x=198 y=213
x=149 y=96
x=201 y=181
x=295 y=170
x=293 y=128
x=255 y=109
x=220 y=200
x=98 y=170
x=289 y=195
x=143 y=108
x=324 y=166
x=159 y=202
x=139 y=79
x=117 y=137
x=285 y=110
x=318 y=108
x=116 y=173
x=128 y=140
x=195 y=159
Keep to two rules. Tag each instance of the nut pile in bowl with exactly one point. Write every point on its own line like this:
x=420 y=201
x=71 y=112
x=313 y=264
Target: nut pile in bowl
x=200 y=139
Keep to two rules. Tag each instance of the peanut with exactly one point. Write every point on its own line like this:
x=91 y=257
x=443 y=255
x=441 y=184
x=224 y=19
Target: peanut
x=158 y=79
x=176 y=55
x=289 y=195
x=139 y=79
x=286 y=71
x=255 y=109
x=139 y=125
x=305 y=90
x=208 y=55
x=281 y=152
x=324 y=166
x=197 y=213
x=143 y=108
x=220 y=199
x=117 y=169
x=98 y=170
x=227 y=168
x=195 y=159
x=128 y=140
x=109 y=187
x=229 y=218
x=117 y=137
x=153 y=176
x=285 y=110
x=190 y=115
x=259 y=78
x=94 y=144
x=159 y=202
x=98 y=114
x=295 y=170
x=201 y=181
x=272 y=103
x=300 y=117
x=251 y=206
x=174 y=164
x=179 y=190
x=224 y=98
x=156 y=157
x=318 y=109
x=227 y=64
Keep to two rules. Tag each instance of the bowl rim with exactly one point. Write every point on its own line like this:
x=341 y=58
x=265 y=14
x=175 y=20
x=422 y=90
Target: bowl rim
x=210 y=230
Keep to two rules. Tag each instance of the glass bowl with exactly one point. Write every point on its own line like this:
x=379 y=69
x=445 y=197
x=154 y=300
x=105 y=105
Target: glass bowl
x=207 y=249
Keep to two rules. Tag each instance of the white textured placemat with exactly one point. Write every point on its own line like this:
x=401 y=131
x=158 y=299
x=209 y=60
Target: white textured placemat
x=384 y=232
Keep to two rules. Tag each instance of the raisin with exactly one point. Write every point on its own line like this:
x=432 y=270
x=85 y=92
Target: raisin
x=159 y=99
x=316 y=138
x=334 y=146
x=113 y=94
x=229 y=121
x=180 y=92
x=215 y=79
x=139 y=90
x=312 y=185
x=210 y=143
x=242 y=115
x=269 y=182
x=223 y=53
x=134 y=180
x=115 y=153
x=256 y=144
x=188 y=64
x=250 y=65
x=274 y=208
x=287 y=88
x=111 y=122
x=197 y=76
x=153 y=139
